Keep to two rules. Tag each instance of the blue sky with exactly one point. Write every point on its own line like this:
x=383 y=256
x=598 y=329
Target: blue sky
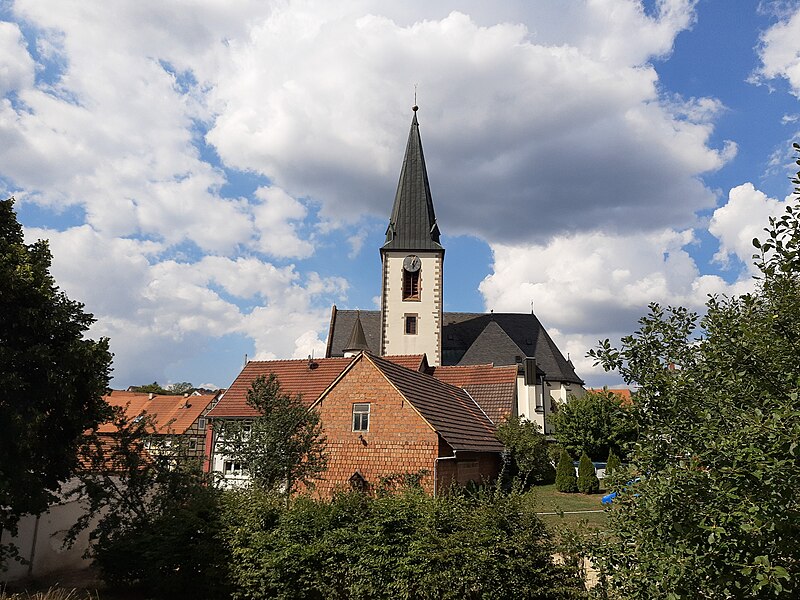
x=213 y=176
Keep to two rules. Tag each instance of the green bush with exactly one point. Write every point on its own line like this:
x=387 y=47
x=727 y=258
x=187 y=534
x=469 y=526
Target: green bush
x=405 y=545
x=528 y=461
x=169 y=552
x=588 y=483
x=613 y=463
x=565 y=474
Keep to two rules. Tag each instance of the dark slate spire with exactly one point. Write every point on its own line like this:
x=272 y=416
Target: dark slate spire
x=412 y=225
x=358 y=341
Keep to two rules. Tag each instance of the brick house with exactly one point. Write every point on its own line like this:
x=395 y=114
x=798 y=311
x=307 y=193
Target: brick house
x=385 y=416
x=381 y=418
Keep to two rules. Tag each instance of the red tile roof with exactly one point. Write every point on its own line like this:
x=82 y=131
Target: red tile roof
x=493 y=388
x=296 y=377
x=415 y=362
x=625 y=397
x=103 y=454
x=171 y=414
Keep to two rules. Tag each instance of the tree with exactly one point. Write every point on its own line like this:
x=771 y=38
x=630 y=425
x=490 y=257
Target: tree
x=565 y=474
x=173 y=389
x=588 y=483
x=715 y=512
x=180 y=388
x=613 y=463
x=593 y=423
x=149 y=388
x=527 y=448
x=52 y=379
x=283 y=446
x=154 y=518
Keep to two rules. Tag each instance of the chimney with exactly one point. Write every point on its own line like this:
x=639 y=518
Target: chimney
x=150 y=396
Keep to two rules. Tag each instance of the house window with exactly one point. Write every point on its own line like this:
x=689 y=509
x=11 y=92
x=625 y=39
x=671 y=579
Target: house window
x=192 y=444
x=411 y=324
x=201 y=424
x=361 y=416
x=410 y=285
x=232 y=467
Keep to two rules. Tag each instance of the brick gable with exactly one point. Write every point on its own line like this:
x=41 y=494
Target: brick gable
x=399 y=440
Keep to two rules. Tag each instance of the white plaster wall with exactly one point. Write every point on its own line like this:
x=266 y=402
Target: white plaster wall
x=40 y=541
x=228 y=481
x=526 y=402
x=428 y=308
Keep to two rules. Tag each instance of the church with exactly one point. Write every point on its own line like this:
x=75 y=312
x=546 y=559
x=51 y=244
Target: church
x=411 y=388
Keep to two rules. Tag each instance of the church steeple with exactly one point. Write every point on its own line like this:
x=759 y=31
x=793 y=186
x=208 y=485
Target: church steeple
x=412 y=225
x=413 y=261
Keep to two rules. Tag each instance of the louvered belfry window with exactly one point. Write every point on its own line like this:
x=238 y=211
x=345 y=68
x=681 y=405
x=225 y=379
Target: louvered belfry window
x=410 y=285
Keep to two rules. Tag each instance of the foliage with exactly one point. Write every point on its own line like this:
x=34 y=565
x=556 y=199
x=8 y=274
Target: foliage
x=173 y=389
x=588 y=483
x=51 y=379
x=612 y=463
x=529 y=461
x=565 y=474
x=594 y=423
x=716 y=513
x=283 y=446
x=400 y=482
x=405 y=545
x=154 y=519
x=54 y=593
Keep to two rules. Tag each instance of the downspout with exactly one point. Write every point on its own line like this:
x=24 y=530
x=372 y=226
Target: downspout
x=436 y=471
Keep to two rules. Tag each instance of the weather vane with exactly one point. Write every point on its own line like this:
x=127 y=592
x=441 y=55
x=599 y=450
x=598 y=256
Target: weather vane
x=415 y=107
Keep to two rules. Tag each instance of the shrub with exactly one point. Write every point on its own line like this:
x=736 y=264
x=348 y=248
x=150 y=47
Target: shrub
x=594 y=423
x=565 y=474
x=405 y=545
x=588 y=483
x=613 y=463
x=171 y=551
x=528 y=460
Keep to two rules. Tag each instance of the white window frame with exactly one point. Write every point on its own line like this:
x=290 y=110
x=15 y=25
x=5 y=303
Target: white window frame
x=360 y=412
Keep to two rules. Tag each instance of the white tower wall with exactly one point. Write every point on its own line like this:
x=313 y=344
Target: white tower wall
x=428 y=309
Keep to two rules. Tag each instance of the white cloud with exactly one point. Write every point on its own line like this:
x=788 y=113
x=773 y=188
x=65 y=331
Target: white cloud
x=160 y=312
x=16 y=65
x=592 y=286
x=274 y=221
x=540 y=120
x=743 y=218
x=521 y=138
x=779 y=53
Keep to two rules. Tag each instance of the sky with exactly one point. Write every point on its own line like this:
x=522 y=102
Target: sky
x=212 y=176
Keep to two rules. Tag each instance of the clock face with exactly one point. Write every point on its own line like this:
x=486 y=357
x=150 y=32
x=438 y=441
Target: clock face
x=412 y=263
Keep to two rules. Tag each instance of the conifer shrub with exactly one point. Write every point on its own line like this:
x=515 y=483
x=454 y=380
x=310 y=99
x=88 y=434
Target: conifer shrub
x=565 y=474
x=613 y=463
x=588 y=483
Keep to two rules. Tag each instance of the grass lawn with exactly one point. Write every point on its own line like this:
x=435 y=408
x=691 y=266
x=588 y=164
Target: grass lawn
x=549 y=500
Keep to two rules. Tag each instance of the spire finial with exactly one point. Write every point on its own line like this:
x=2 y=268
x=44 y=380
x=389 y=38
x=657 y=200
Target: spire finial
x=415 y=108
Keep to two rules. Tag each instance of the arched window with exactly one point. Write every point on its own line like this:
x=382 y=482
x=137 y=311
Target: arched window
x=410 y=285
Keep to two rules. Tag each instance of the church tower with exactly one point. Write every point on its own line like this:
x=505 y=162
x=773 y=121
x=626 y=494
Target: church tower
x=413 y=260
